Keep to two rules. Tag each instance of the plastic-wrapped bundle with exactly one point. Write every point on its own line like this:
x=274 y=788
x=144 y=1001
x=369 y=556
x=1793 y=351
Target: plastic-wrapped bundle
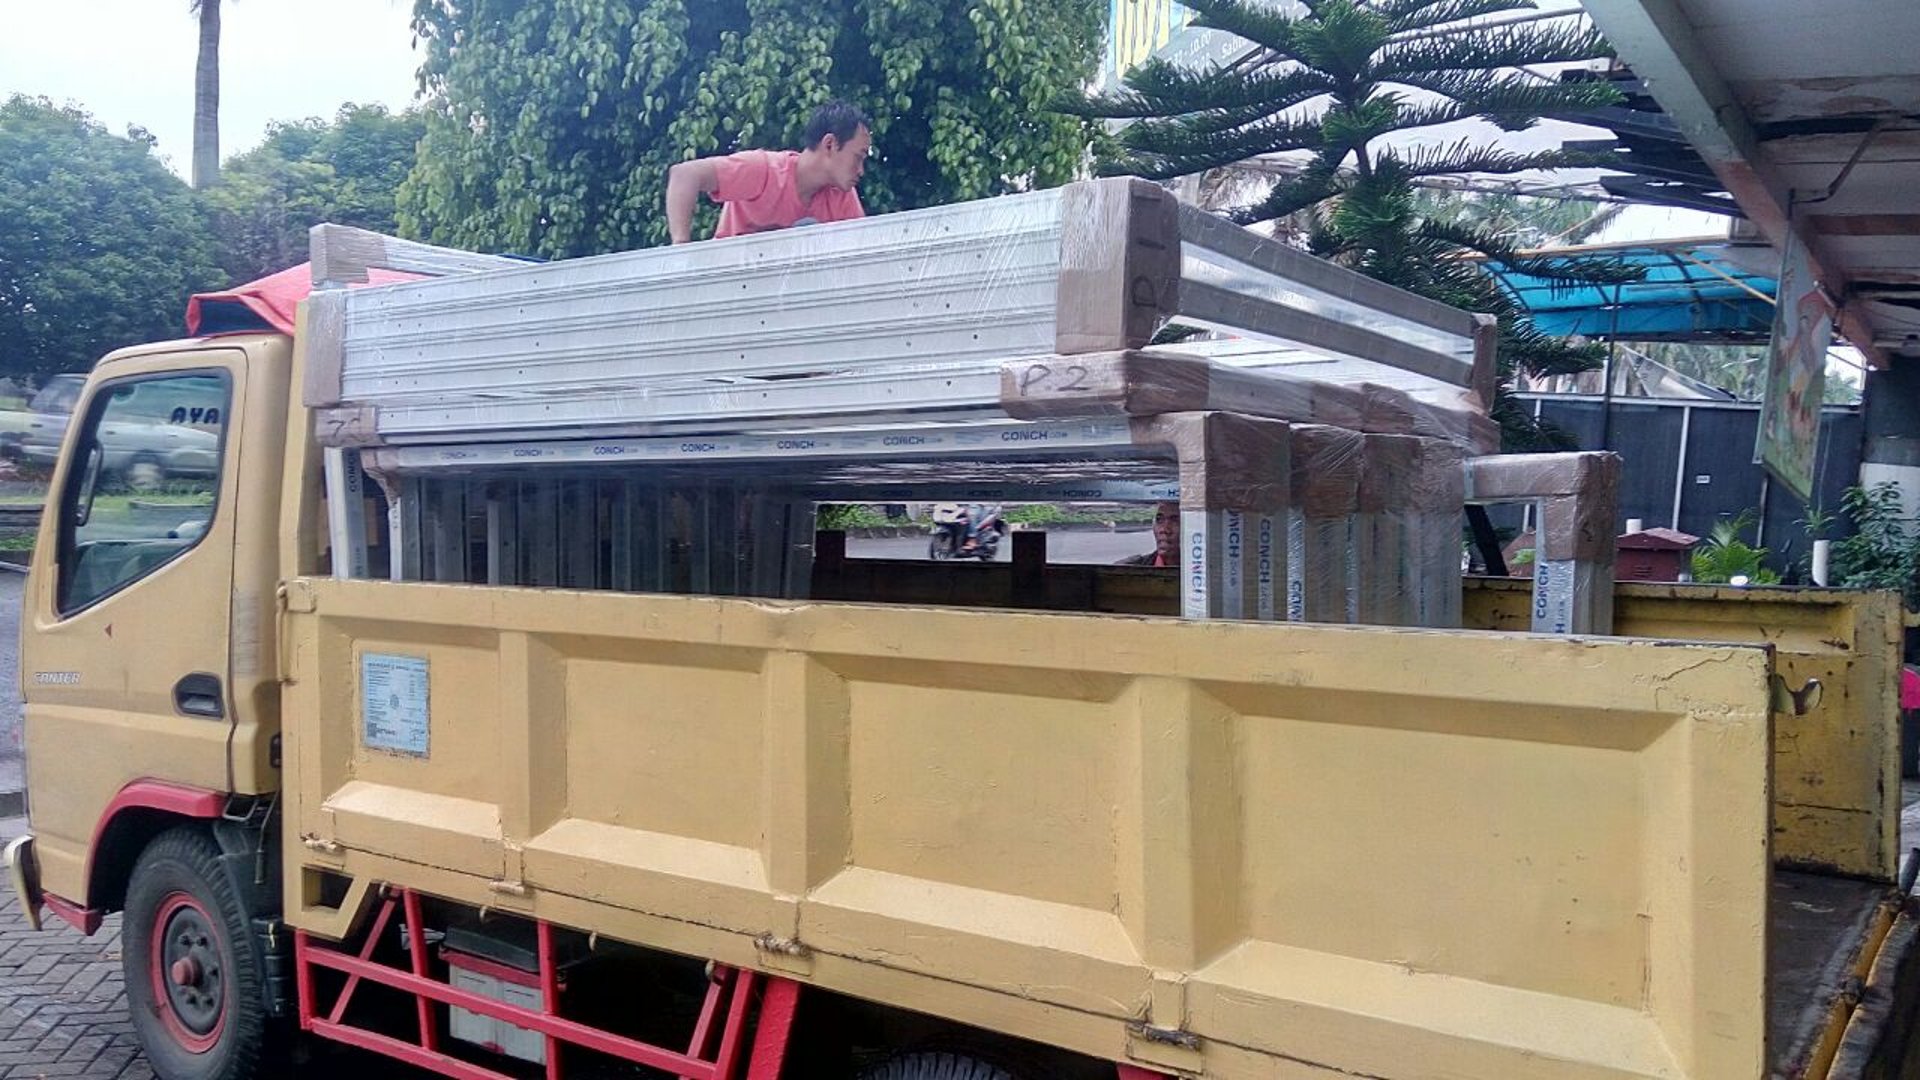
x=1578 y=500
x=1381 y=530
x=1235 y=473
x=1435 y=505
x=1326 y=482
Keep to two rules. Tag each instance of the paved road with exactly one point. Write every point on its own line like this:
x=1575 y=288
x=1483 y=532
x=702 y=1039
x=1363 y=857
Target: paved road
x=1062 y=547
x=62 y=1010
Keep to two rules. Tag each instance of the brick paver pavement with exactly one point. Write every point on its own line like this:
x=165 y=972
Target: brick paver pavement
x=62 y=1010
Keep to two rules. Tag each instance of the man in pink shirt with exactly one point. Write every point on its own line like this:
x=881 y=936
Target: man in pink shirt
x=775 y=189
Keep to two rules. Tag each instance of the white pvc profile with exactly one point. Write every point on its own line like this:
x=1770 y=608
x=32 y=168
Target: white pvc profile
x=346 y=516
x=1006 y=438
x=847 y=396
x=888 y=395
x=1238 y=280
x=971 y=281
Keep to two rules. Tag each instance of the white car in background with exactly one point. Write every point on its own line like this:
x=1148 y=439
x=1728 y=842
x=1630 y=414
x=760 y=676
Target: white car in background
x=163 y=438
x=46 y=411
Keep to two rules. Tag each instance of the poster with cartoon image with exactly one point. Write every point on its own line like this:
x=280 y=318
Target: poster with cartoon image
x=1789 y=438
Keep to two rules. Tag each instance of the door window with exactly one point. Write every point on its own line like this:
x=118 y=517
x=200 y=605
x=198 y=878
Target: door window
x=141 y=490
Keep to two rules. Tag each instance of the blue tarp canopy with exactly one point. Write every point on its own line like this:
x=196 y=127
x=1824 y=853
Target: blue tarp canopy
x=1696 y=290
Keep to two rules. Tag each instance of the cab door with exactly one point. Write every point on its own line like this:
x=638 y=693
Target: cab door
x=126 y=638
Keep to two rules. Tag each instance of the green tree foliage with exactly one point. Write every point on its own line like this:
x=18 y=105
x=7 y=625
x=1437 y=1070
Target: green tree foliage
x=100 y=245
x=346 y=171
x=1884 y=550
x=1333 y=85
x=552 y=125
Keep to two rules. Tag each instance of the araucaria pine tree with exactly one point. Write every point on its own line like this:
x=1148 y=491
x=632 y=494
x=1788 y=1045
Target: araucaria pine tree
x=1332 y=81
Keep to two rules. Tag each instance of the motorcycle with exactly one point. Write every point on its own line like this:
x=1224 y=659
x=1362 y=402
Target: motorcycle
x=966 y=532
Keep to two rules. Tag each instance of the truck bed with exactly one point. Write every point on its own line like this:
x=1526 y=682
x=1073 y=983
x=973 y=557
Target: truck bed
x=1821 y=929
x=1200 y=846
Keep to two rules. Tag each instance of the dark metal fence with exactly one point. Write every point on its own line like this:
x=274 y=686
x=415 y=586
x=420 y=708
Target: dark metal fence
x=1688 y=464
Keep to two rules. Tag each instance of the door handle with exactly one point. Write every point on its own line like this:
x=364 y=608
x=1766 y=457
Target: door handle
x=199 y=694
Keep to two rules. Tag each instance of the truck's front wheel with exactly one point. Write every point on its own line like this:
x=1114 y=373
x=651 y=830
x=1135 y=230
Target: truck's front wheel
x=192 y=985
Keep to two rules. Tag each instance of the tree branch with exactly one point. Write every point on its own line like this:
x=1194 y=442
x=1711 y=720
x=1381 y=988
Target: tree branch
x=1175 y=139
x=1490 y=49
x=1157 y=88
x=1510 y=103
x=1464 y=157
x=1292 y=195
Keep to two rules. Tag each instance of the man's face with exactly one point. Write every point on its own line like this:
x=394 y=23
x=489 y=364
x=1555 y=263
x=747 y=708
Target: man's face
x=1166 y=529
x=847 y=162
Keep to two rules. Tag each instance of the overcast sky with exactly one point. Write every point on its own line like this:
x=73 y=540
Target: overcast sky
x=132 y=62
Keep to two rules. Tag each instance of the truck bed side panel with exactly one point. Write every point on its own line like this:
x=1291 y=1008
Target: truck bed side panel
x=1347 y=848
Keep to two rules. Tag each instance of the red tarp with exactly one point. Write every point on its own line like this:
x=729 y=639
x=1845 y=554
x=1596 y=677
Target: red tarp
x=266 y=304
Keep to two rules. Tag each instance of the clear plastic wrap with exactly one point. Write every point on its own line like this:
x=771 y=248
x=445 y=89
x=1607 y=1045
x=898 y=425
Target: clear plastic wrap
x=1382 y=588
x=926 y=350
x=1320 y=549
x=891 y=316
x=1407 y=551
x=1435 y=504
x=1524 y=477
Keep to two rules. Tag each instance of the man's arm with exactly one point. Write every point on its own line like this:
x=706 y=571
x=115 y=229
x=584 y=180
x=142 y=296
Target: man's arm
x=685 y=182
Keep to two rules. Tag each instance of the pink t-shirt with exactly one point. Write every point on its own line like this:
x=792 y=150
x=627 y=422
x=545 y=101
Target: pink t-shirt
x=760 y=191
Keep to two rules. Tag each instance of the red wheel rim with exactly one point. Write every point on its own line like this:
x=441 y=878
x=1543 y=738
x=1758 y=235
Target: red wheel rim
x=187 y=974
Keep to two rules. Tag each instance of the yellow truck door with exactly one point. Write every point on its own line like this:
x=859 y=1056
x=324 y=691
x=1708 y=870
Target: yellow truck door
x=125 y=654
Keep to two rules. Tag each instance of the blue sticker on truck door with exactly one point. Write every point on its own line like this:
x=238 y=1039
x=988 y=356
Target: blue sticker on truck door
x=393 y=703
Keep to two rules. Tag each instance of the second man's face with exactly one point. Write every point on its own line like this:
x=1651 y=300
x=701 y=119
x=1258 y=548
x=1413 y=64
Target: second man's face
x=1166 y=528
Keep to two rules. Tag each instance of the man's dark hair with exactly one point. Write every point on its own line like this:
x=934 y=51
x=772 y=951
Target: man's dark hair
x=836 y=118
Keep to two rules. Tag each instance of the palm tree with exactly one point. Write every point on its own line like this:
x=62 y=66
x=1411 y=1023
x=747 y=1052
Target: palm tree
x=1332 y=84
x=206 y=96
x=1524 y=221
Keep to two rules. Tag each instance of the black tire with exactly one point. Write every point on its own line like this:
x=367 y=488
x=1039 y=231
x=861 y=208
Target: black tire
x=939 y=549
x=936 y=1066
x=193 y=988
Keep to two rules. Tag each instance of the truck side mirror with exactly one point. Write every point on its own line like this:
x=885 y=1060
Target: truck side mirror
x=83 y=506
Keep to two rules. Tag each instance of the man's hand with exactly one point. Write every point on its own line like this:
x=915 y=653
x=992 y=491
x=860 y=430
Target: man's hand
x=685 y=182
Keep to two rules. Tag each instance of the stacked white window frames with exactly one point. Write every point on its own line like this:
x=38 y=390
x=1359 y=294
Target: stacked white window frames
x=664 y=419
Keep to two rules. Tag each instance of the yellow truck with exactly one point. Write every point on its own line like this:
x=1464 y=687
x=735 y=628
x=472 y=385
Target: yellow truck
x=493 y=706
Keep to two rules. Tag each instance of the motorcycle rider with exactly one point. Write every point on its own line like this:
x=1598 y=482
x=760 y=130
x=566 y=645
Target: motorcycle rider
x=976 y=513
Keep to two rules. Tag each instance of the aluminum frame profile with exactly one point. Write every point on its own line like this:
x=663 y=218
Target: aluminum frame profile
x=971 y=280
x=342 y=255
x=1277 y=383
x=1235 y=280
x=910 y=442
x=579 y=532
x=872 y=320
